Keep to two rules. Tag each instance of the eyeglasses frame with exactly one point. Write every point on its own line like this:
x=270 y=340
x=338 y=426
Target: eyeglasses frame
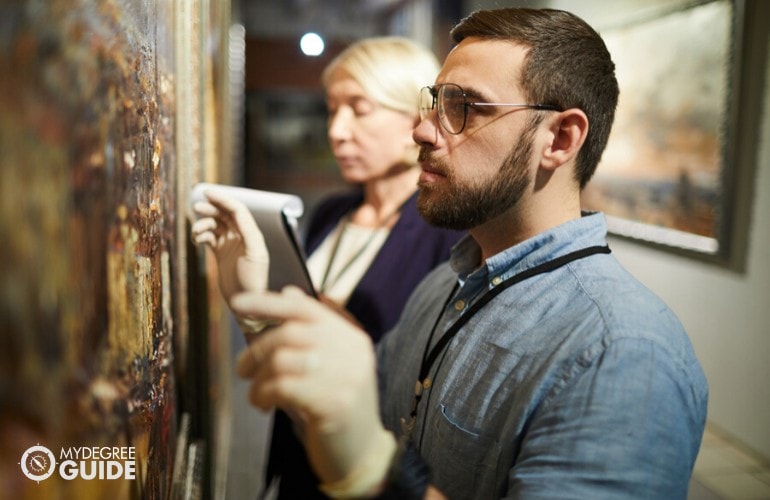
x=434 y=90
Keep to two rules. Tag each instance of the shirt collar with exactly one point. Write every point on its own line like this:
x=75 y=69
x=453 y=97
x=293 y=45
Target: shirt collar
x=588 y=230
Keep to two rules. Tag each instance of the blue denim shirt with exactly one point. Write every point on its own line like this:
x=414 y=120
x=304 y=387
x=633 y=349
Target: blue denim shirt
x=576 y=383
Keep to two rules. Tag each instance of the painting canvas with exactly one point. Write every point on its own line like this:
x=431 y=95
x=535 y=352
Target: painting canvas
x=88 y=224
x=95 y=271
x=661 y=178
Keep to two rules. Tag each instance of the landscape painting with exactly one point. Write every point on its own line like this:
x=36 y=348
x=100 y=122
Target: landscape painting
x=661 y=177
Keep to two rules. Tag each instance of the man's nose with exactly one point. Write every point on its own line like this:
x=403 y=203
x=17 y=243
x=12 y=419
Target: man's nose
x=426 y=130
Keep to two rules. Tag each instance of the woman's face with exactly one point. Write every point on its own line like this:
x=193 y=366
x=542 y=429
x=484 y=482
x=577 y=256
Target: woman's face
x=368 y=140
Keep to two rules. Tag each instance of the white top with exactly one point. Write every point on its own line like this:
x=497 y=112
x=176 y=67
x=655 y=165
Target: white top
x=342 y=259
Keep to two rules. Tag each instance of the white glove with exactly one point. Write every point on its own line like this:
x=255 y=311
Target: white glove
x=227 y=226
x=320 y=369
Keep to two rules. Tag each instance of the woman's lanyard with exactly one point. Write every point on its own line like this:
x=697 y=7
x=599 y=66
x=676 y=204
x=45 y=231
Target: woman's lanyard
x=429 y=356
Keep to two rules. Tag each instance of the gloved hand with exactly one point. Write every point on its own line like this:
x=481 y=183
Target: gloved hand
x=227 y=226
x=320 y=369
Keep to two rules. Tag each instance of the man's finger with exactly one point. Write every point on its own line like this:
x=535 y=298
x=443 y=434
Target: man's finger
x=291 y=394
x=276 y=350
x=289 y=304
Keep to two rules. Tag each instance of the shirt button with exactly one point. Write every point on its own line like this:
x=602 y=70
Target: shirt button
x=497 y=280
x=459 y=305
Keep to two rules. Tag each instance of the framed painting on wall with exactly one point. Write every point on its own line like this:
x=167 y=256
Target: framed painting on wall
x=666 y=176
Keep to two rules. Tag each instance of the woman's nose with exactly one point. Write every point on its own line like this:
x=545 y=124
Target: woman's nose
x=340 y=125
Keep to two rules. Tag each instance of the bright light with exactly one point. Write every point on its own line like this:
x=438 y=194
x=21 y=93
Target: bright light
x=311 y=44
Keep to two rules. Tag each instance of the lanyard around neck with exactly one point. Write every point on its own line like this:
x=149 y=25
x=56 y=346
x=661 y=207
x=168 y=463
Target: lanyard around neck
x=431 y=354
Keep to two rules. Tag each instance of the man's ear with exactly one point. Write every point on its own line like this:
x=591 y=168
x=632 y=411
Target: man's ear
x=568 y=133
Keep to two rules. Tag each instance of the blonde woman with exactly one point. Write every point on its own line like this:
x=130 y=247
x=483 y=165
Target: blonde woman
x=369 y=247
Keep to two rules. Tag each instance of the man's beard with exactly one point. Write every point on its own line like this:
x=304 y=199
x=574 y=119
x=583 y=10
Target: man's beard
x=462 y=207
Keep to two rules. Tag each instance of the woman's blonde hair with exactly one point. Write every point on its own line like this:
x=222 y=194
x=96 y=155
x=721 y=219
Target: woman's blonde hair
x=391 y=69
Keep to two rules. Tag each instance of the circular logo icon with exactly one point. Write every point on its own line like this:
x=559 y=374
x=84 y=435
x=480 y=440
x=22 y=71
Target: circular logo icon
x=38 y=463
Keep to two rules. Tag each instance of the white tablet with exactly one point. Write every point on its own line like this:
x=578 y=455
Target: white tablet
x=276 y=215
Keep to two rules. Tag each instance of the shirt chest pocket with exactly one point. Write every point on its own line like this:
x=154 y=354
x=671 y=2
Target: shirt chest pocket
x=464 y=465
x=463 y=428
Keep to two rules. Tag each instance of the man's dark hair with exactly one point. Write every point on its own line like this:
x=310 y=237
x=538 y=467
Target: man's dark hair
x=567 y=65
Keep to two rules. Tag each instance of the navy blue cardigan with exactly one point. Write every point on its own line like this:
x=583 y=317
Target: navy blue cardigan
x=411 y=250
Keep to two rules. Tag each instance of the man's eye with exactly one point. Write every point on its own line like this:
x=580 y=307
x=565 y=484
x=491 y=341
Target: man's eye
x=474 y=108
x=454 y=105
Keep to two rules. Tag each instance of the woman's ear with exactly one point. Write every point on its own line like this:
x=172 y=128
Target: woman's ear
x=568 y=129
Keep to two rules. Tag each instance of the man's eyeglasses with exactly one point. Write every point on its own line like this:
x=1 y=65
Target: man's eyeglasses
x=453 y=105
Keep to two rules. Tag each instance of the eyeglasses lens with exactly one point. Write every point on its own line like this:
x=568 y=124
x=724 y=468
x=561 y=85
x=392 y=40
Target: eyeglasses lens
x=451 y=107
x=426 y=102
x=450 y=100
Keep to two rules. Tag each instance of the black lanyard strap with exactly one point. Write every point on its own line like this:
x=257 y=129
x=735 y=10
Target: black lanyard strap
x=545 y=267
x=429 y=358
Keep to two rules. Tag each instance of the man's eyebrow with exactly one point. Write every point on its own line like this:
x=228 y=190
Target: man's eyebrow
x=474 y=94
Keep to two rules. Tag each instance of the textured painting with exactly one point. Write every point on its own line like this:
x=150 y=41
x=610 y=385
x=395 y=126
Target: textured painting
x=661 y=177
x=93 y=274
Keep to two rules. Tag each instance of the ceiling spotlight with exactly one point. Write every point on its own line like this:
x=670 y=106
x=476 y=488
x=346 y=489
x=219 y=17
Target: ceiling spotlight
x=311 y=44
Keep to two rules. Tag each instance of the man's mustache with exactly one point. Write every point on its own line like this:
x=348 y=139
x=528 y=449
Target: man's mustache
x=435 y=164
